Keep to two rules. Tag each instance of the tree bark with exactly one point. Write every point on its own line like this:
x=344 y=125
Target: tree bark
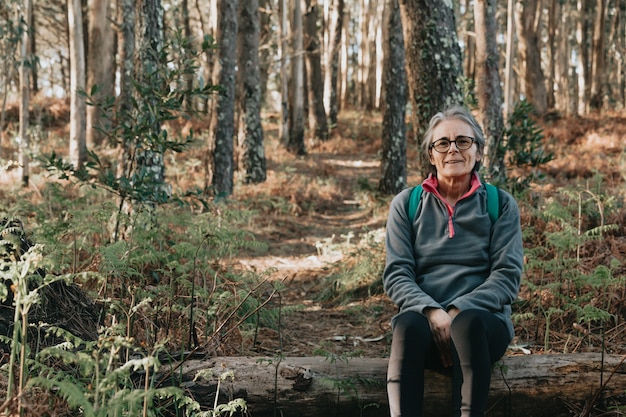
x=509 y=59
x=249 y=97
x=331 y=86
x=78 y=116
x=295 y=143
x=393 y=176
x=488 y=88
x=285 y=62
x=521 y=386
x=317 y=113
x=598 y=58
x=99 y=66
x=433 y=60
x=582 y=51
x=529 y=35
x=223 y=160
x=24 y=96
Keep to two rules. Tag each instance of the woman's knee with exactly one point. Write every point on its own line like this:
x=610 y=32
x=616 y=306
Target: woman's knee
x=471 y=322
x=410 y=323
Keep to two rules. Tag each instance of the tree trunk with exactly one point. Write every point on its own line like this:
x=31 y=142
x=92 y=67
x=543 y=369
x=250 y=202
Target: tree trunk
x=508 y=77
x=331 y=85
x=529 y=35
x=553 y=20
x=564 y=75
x=317 y=113
x=433 y=60
x=488 y=89
x=223 y=161
x=469 y=52
x=34 y=70
x=598 y=70
x=266 y=54
x=295 y=143
x=25 y=96
x=285 y=62
x=99 y=66
x=249 y=97
x=148 y=46
x=393 y=164
x=582 y=39
x=521 y=386
x=77 y=152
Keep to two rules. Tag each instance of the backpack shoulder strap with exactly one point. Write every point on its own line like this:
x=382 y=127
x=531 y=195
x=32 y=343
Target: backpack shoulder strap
x=493 y=202
x=414 y=200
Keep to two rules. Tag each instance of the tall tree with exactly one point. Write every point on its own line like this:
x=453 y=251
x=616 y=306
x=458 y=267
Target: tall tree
x=223 y=159
x=582 y=52
x=467 y=29
x=78 y=116
x=553 y=20
x=598 y=70
x=509 y=58
x=99 y=65
x=529 y=35
x=433 y=59
x=393 y=176
x=249 y=96
x=285 y=62
x=295 y=142
x=25 y=62
x=317 y=113
x=267 y=49
x=332 y=68
x=149 y=44
x=126 y=19
x=488 y=88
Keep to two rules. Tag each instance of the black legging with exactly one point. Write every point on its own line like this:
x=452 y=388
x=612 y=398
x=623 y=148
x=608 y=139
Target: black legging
x=479 y=339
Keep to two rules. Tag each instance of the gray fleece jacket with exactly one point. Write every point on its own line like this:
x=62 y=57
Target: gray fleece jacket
x=456 y=256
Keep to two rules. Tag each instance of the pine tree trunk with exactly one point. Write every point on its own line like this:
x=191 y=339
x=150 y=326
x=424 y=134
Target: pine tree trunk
x=99 y=66
x=148 y=45
x=249 y=97
x=529 y=32
x=223 y=159
x=331 y=85
x=295 y=142
x=488 y=88
x=434 y=62
x=317 y=113
x=285 y=62
x=77 y=82
x=393 y=163
x=553 y=19
x=24 y=97
x=598 y=70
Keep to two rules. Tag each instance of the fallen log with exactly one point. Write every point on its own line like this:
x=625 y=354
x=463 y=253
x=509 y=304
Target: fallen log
x=522 y=386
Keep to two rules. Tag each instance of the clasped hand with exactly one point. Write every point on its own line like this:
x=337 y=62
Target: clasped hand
x=440 y=321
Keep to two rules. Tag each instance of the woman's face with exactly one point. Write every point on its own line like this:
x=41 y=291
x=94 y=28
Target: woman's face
x=454 y=163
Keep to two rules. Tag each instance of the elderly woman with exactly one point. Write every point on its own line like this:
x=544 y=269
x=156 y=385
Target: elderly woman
x=453 y=272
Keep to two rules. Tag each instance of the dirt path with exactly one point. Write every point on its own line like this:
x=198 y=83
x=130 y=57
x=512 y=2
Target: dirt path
x=307 y=248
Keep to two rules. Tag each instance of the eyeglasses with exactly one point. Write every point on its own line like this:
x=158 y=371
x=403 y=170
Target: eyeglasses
x=443 y=145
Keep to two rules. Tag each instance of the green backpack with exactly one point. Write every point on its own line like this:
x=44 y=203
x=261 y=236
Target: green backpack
x=493 y=202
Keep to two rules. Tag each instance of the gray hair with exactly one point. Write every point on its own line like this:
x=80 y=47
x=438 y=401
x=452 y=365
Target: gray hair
x=454 y=113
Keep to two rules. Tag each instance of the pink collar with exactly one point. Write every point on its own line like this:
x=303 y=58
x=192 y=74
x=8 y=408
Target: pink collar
x=431 y=184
